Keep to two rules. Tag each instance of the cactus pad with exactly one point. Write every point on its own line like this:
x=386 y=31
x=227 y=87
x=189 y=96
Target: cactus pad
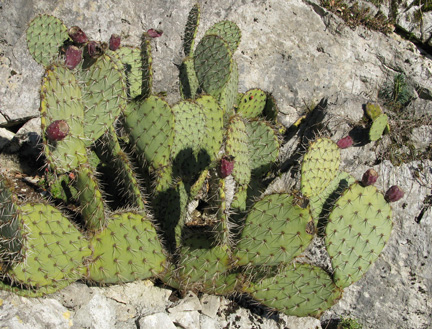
x=131 y=59
x=128 y=249
x=53 y=249
x=227 y=30
x=274 y=231
x=45 y=35
x=212 y=62
x=378 y=127
x=252 y=103
x=358 y=229
x=61 y=99
x=319 y=167
x=191 y=29
x=298 y=290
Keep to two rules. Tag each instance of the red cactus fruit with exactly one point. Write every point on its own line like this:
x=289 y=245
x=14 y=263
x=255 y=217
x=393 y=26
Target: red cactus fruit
x=345 y=142
x=393 y=194
x=153 y=33
x=57 y=130
x=226 y=166
x=369 y=177
x=96 y=49
x=73 y=57
x=77 y=35
x=114 y=42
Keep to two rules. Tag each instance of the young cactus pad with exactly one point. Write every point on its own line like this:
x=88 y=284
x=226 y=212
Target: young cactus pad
x=357 y=231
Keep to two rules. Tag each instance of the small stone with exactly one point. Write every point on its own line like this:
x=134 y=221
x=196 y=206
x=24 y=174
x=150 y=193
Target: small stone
x=77 y=35
x=73 y=57
x=394 y=193
x=114 y=42
x=156 y=321
x=345 y=142
x=369 y=177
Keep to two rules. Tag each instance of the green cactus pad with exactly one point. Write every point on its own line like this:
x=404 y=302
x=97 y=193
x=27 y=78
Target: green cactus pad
x=187 y=78
x=321 y=204
x=263 y=147
x=319 y=167
x=227 y=96
x=213 y=63
x=358 y=229
x=274 y=231
x=213 y=136
x=147 y=69
x=45 y=35
x=240 y=198
x=189 y=131
x=90 y=199
x=131 y=59
x=227 y=30
x=61 y=99
x=201 y=269
x=252 y=103
x=297 y=290
x=127 y=250
x=378 y=127
x=150 y=124
x=104 y=96
x=10 y=234
x=191 y=29
x=237 y=146
x=53 y=249
x=33 y=292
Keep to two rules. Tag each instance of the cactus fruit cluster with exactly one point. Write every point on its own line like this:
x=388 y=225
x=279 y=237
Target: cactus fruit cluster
x=202 y=162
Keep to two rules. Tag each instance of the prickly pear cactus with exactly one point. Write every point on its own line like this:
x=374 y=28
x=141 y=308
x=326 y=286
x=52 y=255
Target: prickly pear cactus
x=187 y=204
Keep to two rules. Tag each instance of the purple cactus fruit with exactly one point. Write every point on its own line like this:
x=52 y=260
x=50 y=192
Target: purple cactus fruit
x=153 y=33
x=96 y=49
x=345 y=142
x=73 y=57
x=114 y=42
x=369 y=177
x=57 y=130
x=393 y=194
x=77 y=35
x=226 y=166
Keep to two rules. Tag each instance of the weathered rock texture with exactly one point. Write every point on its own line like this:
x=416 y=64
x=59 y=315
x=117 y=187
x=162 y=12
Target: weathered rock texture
x=302 y=54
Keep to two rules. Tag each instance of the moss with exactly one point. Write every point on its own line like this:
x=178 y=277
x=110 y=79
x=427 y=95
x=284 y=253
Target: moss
x=349 y=323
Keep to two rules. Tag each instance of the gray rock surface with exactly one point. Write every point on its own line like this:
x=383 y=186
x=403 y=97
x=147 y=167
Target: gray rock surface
x=302 y=54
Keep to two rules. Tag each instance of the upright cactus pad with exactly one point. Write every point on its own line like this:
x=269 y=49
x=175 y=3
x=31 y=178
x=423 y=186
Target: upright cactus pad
x=227 y=30
x=237 y=146
x=213 y=63
x=298 y=290
x=191 y=29
x=358 y=229
x=150 y=124
x=61 y=99
x=54 y=250
x=128 y=249
x=319 y=167
x=131 y=59
x=263 y=146
x=274 y=232
x=104 y=96
x=45 y=35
